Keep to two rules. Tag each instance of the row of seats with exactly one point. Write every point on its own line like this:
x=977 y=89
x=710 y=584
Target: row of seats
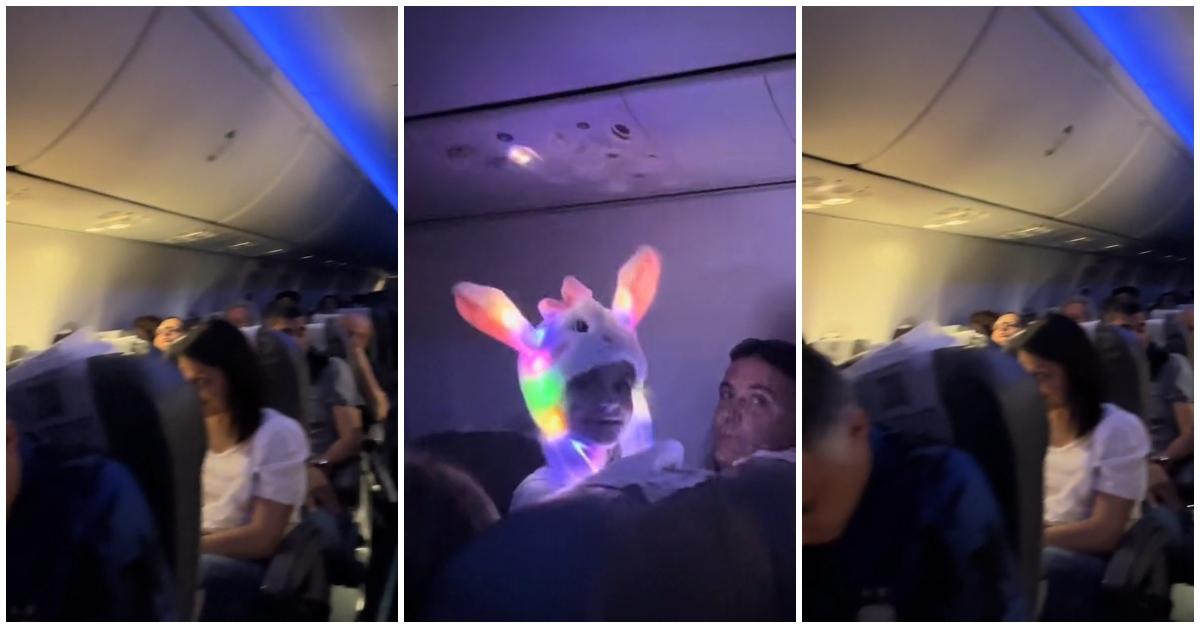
x=82 y=397
x=980 y=400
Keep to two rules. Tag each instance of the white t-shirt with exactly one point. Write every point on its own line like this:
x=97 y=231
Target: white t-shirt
x=271 y=464
x=1112 y=460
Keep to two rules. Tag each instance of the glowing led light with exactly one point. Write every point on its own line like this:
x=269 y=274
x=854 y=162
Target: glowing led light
x=935 y=225
x=1079 y=239
x=1113 y=246
x=511 y=319
x=522 y=155
x=837 y=200
x=955 y=223
x=623 y=301
x=241 y=244
x=1146 y=251
x=120 y=225
x=274 y=251
x=539 y=337
x=307 y=257
x=810 y=206
x=539 y=364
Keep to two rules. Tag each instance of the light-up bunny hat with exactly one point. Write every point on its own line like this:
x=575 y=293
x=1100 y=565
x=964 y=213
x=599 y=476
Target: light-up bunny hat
x=576 y=335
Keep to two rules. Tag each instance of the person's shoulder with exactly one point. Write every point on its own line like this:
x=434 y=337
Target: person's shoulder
x=278 y=426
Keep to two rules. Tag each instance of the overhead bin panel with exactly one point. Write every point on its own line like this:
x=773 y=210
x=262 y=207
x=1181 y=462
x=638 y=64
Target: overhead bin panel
x=698 y=133
x=317 y=186
x=187 y=126
x=782 y=83
x=835 y=190
x=718 y=133
x=43 y=203
x=1027 y=123
x=870 y=71
x=1143 y=193
x=59 y=59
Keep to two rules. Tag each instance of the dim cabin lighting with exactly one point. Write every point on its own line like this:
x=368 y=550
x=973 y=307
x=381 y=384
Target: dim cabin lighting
x=1079 y=239
x=811 y=206
x=936 y=225
x=307 y=257
x=1113 y=246
x=274 y=251
x=523 y=155
x=837 y=200
x=954 y=223
x=1146 y=252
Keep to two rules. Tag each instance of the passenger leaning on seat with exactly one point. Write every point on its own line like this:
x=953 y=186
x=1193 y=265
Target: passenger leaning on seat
x=254 y=473
x=82 y=544
x=1170 y=410
x=894 y=529
x=169 y=331
x=1007 y=325
x=336 y=430
x=1094 y=470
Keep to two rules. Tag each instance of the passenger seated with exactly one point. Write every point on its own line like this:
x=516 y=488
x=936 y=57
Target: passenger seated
x=1166 y=301
x=893 y=528
x=240 y=314
x=1007 y=325
x=983 y=321
x=1078 y=309
x=169 y=331
x=1095 y=467
x=81 y=541
x=336 y=429
x=145 y=327
x=1170 y=415
x=756 y=406
x=360 y=331
x=1126 y=294
x=328 y=305
x=254 y=474
x=445 y=509
x=287 y=298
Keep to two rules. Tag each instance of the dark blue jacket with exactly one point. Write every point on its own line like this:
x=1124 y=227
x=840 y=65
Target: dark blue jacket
x=82 y=545
x=926 y=543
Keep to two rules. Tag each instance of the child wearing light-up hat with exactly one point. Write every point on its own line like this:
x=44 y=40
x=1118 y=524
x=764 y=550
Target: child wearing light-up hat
x=582 y=374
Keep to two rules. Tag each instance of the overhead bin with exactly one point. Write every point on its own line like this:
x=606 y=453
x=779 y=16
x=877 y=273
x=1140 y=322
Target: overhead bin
x=1145 y=194
x=59 y=59
x=308 y=196
x=869 y=72
x=1026 y=123
x=186 y=126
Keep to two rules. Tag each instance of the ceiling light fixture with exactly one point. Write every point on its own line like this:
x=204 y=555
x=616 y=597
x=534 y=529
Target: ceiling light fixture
x=837 y=200
x=241 y=244
x=307 y=257
x=274 y=251
x=1146 y=251
x=1113 y=246
x=1079 y=239
x=523 y=155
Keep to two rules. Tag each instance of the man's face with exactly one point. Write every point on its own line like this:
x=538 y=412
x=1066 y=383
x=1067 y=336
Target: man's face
x=600 y=403
x=297 y=328
x=238 y=317
x=1005 y=328
x=1135 y=323
x=358 y=328
x=167 y=333
x=1075 y=311
x=756 y=410
x=835 y=475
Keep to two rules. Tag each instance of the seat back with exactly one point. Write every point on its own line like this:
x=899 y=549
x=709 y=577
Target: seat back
x=1126 y=371
x=998 y=417
x=981 y=401
x=137 y=411
x=498 y=461
x=1157 y=331
x=285 y=372
x=1163 y=314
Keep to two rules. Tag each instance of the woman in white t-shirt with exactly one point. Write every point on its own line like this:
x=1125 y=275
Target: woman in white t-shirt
x=1095 y=468
x=254 y=477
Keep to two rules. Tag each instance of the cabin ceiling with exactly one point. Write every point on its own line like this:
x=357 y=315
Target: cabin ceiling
x=173 y=122
x=1017 y=114
x=655 y=132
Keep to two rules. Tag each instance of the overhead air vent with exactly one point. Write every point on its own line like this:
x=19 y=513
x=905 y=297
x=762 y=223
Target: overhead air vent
x=819 y=193
x=192 y=236
x=1028 y=232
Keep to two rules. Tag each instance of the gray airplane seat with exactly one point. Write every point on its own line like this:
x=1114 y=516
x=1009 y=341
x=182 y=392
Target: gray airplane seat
x=284 y=370
x=136 y=411
x=979 y=400
x=1163 y=314
x=1126 y=372
x=497 y=460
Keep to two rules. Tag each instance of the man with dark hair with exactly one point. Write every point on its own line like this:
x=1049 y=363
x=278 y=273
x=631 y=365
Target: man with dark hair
x=145 y=326
x=894 y=529
x=1078 y=309
x=1127 y=294
x=288 y=297
x=756 y=412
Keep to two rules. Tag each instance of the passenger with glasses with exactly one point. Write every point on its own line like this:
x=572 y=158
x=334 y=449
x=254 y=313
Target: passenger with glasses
x=1007 y=326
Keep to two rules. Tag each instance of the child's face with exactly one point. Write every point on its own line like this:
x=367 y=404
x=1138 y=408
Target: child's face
x=600 y=403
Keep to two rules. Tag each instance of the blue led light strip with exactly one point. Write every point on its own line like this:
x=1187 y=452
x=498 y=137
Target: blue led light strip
x=1131 y=38
x=283 y=34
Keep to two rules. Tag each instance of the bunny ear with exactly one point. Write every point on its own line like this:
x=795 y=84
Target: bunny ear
x=573 y=290
x=491 y=311
x=550 y=307
x=637 y=284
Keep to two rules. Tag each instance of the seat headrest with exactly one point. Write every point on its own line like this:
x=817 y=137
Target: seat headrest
x=315 y=332
x=251 y=334
x=1163 y=314
x=285 y=373
x=897 y=387
x=1126 y=372
x=1155 y=327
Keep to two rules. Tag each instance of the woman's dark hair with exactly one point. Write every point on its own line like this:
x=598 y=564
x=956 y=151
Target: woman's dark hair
x=145 y=326
x=222 y=346
x=1060 y=340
